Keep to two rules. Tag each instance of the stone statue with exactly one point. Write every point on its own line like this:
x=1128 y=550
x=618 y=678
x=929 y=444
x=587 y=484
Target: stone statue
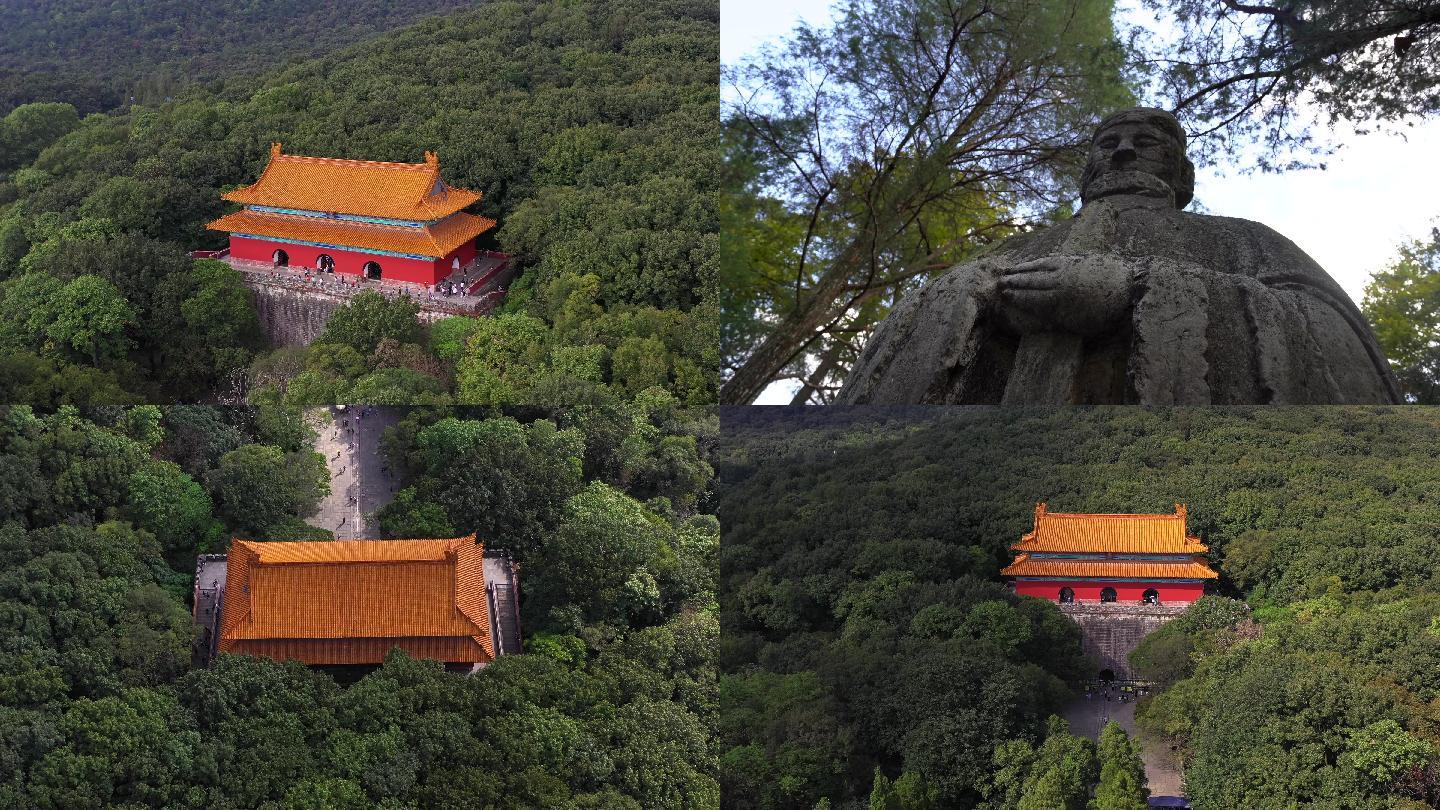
x=1131 y=301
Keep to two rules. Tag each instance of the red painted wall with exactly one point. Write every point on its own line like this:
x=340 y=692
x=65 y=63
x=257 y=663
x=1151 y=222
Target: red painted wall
x=392 y=268
x=1089 y=590
x=465 y=253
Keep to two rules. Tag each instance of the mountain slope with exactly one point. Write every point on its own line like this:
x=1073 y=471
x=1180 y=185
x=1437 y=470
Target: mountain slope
x=97 y=55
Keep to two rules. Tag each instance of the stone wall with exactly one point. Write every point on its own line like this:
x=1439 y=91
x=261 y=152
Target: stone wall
x=295 y=317
x=1111 y=631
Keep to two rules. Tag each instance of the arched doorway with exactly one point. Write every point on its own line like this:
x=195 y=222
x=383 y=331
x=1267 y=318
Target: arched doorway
x=281 y=258
x=372 y=270
x=1107 y=594
x=325 y=263
x=1066 y=596
x=1151 y=597
x=1107 y=675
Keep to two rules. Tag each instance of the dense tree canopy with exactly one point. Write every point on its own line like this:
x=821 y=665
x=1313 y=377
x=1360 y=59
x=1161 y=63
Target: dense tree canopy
x=611 y=705
x=860 y=575
x=99 y=55
x=589 y=127
x=1403 y=303
x=29 y=128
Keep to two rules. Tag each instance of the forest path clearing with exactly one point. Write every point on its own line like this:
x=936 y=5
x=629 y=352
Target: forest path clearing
x=360 y=481
x=1162 y=767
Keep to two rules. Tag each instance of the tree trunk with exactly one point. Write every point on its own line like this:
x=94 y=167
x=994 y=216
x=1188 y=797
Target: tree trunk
x=811 y=385
x=793 y=334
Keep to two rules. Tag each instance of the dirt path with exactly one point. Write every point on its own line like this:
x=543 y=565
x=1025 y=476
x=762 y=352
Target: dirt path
x=1162 y=770
x=360 y=481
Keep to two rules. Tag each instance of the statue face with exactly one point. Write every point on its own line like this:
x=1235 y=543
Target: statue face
x=1132 y=157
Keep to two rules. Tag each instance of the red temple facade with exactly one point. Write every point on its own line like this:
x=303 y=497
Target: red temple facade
x=1136 y=559
x=394 y=221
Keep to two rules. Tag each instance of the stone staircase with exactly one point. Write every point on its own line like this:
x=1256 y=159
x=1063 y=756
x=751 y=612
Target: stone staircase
x=504 y=618
x=1110 y=631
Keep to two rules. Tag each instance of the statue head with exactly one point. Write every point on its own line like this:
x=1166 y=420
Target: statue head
x=1139 y=151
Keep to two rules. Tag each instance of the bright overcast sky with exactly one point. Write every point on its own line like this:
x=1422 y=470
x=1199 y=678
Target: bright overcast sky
x=1376 y=192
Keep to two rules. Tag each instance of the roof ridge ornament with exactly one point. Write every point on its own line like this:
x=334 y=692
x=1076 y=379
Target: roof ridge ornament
x=431 y=159
x=275 y=149
x=1180 y=511
x=1039 y=513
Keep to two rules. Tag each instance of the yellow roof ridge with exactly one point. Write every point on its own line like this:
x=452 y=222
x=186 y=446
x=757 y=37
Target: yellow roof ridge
x=1111 y=532
x=425 y=165
x=1134 y=515
x=378 y=188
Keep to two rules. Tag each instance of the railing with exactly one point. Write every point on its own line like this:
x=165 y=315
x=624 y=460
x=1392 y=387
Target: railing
x=502 y=612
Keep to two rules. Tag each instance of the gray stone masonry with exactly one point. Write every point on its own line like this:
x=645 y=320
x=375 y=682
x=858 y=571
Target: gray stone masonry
x=1110 y=631
x=502 y=586
x=294 y=308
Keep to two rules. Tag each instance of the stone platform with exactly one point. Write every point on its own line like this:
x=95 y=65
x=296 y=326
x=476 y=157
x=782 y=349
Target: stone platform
x=1110 y=631
x=295 y=302
x=360 y=481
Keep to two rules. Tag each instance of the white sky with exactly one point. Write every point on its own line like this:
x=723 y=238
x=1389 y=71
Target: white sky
x=1376 y=192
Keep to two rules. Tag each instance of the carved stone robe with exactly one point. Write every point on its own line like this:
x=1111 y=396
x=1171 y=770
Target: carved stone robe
x=1222 y=311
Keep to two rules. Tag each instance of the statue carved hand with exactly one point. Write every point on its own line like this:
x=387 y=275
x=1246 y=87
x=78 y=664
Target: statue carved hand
x=1081 y=295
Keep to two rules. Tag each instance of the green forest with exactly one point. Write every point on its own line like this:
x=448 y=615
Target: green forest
x=613 y=705
x=99 y=56
x=589 y=126
x=869 y=638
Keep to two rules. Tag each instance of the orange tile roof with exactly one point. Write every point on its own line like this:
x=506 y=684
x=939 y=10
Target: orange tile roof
x=349 y=601
x=1121 y=534
x=1027 y=566
x=359 y=650
x=436 y=240
x=372 y=188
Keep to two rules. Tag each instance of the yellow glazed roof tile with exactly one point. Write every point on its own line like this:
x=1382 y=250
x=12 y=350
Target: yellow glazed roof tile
x=321 y=594
x=436 y=240
x=411 y=191
x=1027 y=566
x=1121 y=534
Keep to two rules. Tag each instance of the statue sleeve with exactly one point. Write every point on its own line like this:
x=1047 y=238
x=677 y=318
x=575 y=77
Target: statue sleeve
x=1275 y=335
x=1307 y=298
x=927 y=340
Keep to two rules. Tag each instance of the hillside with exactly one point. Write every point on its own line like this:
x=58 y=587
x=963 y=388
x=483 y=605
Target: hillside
x=589 y=127
x=866 y=624
x=98 y=56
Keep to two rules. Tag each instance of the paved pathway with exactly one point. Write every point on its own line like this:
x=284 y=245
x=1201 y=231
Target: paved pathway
x=209 y=589
x=1162 y=768
x=360 y=481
